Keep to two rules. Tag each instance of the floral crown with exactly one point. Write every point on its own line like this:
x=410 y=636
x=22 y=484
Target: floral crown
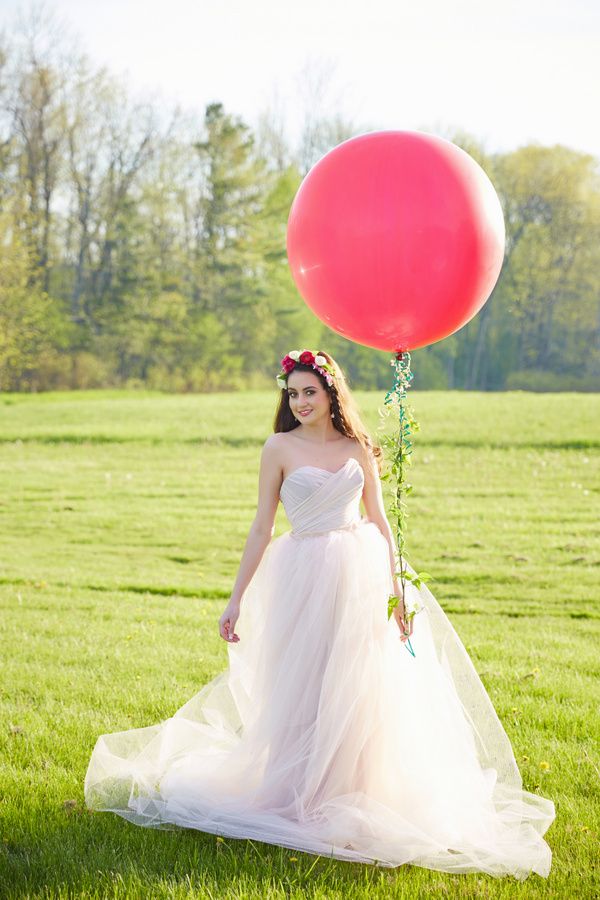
x=307 y=358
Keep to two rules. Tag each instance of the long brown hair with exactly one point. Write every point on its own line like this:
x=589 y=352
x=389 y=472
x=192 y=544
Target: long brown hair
x=346 y=418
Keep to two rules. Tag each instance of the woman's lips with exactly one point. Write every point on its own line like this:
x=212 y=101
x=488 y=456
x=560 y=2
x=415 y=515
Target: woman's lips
x=305 y=413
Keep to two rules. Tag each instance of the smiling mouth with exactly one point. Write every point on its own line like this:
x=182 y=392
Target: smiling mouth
x=304 y=412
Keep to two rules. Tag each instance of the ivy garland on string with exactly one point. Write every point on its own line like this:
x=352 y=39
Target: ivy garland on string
x=399 y=447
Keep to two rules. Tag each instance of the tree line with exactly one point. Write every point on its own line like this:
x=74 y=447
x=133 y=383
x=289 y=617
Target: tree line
x=142 y=246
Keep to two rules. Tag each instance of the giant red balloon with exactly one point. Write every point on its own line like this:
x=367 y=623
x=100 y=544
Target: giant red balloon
x=396 y=239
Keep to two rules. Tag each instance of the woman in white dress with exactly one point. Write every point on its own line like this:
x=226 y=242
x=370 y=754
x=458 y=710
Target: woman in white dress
x=324 y=734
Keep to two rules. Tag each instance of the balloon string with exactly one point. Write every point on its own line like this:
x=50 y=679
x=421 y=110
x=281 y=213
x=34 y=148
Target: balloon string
x=402 y=450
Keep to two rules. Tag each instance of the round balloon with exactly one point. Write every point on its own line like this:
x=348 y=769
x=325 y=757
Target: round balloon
x=395 y=239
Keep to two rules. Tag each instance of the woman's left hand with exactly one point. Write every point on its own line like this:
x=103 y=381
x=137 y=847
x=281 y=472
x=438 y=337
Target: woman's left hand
x=406 y=627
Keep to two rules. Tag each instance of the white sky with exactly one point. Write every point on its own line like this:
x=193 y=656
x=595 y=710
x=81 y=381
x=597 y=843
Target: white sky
x=508 y=71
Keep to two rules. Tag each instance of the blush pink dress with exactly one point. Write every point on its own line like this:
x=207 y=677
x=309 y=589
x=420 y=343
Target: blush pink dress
x=324 y=734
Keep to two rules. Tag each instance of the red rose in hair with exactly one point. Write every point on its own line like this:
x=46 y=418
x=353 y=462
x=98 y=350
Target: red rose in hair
x=287 y=363
x=306 y=358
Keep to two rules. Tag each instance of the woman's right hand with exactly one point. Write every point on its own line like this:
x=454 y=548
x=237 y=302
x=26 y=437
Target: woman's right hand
x=227 y=622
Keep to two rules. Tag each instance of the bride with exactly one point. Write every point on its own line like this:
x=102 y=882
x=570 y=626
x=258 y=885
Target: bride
x=324 y=734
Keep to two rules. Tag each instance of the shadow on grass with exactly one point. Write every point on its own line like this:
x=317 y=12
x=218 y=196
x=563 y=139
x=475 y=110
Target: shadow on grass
x=73 y=852
x=476 y=443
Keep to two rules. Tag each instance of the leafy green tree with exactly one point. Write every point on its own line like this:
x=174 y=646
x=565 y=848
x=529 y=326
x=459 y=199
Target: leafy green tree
x=136 y=251
x=551 y=277
x=30 y=325
x=229 y=262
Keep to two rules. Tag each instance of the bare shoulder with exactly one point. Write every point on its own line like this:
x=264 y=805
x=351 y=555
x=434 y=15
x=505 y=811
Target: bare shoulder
x=280 y=441
x=273 y=451
x=364 y=456
x=273 y=446
x=273 y=440
x=276 y=443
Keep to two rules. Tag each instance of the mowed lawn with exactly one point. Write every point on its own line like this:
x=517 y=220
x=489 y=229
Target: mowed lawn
x=123 y=517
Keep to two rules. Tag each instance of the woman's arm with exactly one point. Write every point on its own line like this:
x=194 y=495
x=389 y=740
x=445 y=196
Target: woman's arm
x=259 y=536
x=372 y=498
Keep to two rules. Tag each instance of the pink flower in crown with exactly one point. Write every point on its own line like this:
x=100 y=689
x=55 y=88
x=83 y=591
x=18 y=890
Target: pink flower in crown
x=307 y=358
x=287 y=363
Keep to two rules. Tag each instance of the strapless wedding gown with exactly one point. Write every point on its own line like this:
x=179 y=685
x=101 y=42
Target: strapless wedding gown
x=325 y=734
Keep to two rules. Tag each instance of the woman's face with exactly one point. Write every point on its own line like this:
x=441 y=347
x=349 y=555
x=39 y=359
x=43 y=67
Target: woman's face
x=308 y=399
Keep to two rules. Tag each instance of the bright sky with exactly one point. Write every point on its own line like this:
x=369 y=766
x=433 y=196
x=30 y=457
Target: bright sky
x=508 y=71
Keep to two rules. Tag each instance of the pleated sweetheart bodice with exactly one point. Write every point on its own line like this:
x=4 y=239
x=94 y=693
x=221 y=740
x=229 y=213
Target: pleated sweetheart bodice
x=317 y=500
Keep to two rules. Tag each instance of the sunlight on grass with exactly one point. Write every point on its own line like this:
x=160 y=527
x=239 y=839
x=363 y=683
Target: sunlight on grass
x=123 y=517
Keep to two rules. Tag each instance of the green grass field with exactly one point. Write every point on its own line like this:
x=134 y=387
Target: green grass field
x=123 y=516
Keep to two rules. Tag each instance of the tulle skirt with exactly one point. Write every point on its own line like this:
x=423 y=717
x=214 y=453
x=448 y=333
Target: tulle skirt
x=326 y=735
